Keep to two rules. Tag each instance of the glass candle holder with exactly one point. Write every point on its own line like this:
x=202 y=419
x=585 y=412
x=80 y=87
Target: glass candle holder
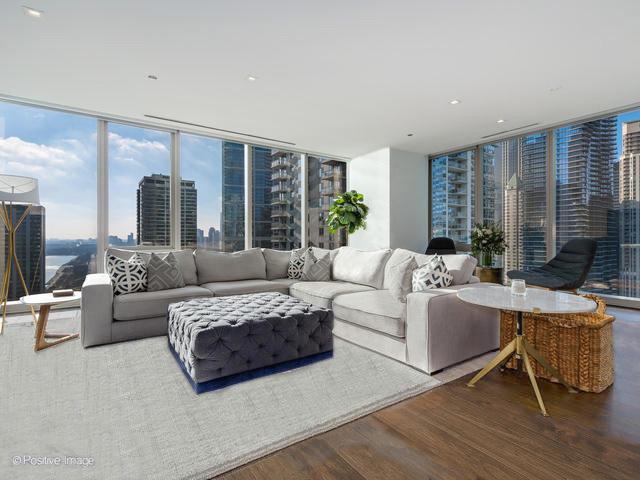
x=518 y=287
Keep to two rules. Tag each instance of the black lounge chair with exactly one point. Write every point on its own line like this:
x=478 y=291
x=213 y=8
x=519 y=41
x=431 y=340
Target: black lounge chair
x=441 y=246
x=568 y=270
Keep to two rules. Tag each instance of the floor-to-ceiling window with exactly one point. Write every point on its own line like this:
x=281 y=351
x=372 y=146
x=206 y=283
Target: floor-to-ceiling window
x=233 y=196
x=326 y=179
x=597 y=196
x=452 y=195
x=276 y=199
x=139 y=186
x=201 y=170
x=56 y=245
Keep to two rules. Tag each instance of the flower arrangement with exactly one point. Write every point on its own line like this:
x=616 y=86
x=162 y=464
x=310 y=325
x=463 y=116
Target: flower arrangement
x=487 y=240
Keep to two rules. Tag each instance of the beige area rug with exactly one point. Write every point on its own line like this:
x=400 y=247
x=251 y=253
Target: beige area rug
x=126 y=411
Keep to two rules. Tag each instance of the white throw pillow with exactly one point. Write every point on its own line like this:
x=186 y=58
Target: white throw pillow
x=296 y=263
x=127 y=276
x=433 y=274
x=314 y=269
x=400 y=277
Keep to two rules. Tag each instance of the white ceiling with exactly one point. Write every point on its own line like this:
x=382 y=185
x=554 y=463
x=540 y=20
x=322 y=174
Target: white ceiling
x=339 y=77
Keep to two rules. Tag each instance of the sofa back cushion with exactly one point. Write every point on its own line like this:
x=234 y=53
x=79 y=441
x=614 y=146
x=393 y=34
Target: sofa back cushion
x=361 y=267
x=461 y=266
x=226 y=267
x=184 y=257
x=277 y=262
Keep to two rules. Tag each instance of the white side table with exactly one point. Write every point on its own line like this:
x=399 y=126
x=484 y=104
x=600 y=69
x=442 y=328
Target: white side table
x=45 y=301
x=535 y=301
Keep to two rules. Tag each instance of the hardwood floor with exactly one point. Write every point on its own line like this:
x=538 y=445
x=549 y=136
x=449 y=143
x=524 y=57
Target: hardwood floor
x=494 y=431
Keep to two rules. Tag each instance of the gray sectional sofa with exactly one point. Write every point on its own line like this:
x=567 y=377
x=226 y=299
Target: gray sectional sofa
x=430 y=331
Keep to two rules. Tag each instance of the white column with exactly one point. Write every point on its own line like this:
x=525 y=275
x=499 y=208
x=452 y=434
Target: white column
x=102 y=211
x=248 y=196
x=304 y=184
x=175 y=193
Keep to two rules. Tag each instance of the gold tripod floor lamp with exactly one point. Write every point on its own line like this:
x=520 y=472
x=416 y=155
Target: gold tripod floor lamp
x=14 y=191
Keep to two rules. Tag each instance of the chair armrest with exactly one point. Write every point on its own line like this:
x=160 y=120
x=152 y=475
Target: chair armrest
x=96 y=310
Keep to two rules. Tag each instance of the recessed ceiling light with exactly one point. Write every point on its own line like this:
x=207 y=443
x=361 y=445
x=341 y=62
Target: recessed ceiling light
x=409 y=134
x=152 y=77
x=500 y=121
x=454 y=102
x=251 y=78
x=32 y=12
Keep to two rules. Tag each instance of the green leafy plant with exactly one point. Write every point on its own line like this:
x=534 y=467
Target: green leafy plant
x=349 y=212
x=487 y=240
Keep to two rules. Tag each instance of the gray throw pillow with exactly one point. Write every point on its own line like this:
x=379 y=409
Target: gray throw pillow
x=127 y=276
x=316 y=270
x=399 y=277
x=296 y=263
x=433 y=274
x=164 y=274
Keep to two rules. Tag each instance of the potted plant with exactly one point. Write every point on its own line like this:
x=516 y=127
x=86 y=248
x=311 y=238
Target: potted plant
x=487 y=240
x=348 y=212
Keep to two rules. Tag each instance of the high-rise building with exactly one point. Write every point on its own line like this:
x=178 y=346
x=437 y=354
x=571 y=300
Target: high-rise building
x=284 y=201
x=453 y=189
x=213 y=239
x=585 y=203
x=30 y=251
x=130 y=239
x=326 y=180
x=232 y=214
x=511 y=225
x=200 y=238
x=153 y=210
x=532 y=200
x=629 y=197
x=261 y=194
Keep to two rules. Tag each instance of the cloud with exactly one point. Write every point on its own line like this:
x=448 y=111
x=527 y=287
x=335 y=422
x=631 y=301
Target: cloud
x=18 y=156
x=127 y=149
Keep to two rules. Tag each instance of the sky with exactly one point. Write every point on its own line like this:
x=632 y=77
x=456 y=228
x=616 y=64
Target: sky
x=59 y=149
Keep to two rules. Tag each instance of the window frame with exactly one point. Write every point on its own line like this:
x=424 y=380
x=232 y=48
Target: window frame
x=550 y=234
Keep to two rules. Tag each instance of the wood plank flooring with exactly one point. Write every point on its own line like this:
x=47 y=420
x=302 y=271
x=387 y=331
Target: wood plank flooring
x=494 y=431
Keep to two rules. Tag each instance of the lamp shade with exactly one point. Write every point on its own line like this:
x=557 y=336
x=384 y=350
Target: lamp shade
x=17 y=189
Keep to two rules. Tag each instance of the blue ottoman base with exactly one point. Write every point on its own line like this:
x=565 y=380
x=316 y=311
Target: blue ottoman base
x=223 y=382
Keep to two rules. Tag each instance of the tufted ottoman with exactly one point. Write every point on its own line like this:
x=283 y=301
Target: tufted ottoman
x=218 y=340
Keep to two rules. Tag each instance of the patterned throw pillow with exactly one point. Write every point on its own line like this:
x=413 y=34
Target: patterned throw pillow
x=400 y=276
x=433 y=274
x=315 y=270
x=296 y=263
x=164 y=274
x=127 y=276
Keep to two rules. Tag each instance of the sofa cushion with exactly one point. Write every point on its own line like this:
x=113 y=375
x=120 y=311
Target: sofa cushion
x=277 y=262
x=433 y=274
x=361 y=267
x=461 y=266
x=400 y=276
x=377 y=310
x=185 y=260
x=285 y=281
x=163 y=274
x=322 y=293
x=241 y=287
x=227 y=267
x=296 y=263
x=127 y=276
x=316 y=269
x=134 y=306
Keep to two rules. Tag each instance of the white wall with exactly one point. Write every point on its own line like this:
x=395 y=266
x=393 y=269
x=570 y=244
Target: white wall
x=409 y=200
x=369 y=175
x=395 y=186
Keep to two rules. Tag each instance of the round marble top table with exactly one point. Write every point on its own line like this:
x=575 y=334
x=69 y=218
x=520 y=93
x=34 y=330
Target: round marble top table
x=534 y=301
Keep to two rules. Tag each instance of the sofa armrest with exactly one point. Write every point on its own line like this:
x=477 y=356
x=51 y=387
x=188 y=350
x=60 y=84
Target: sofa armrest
x=96 y=310
x=442 y=330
